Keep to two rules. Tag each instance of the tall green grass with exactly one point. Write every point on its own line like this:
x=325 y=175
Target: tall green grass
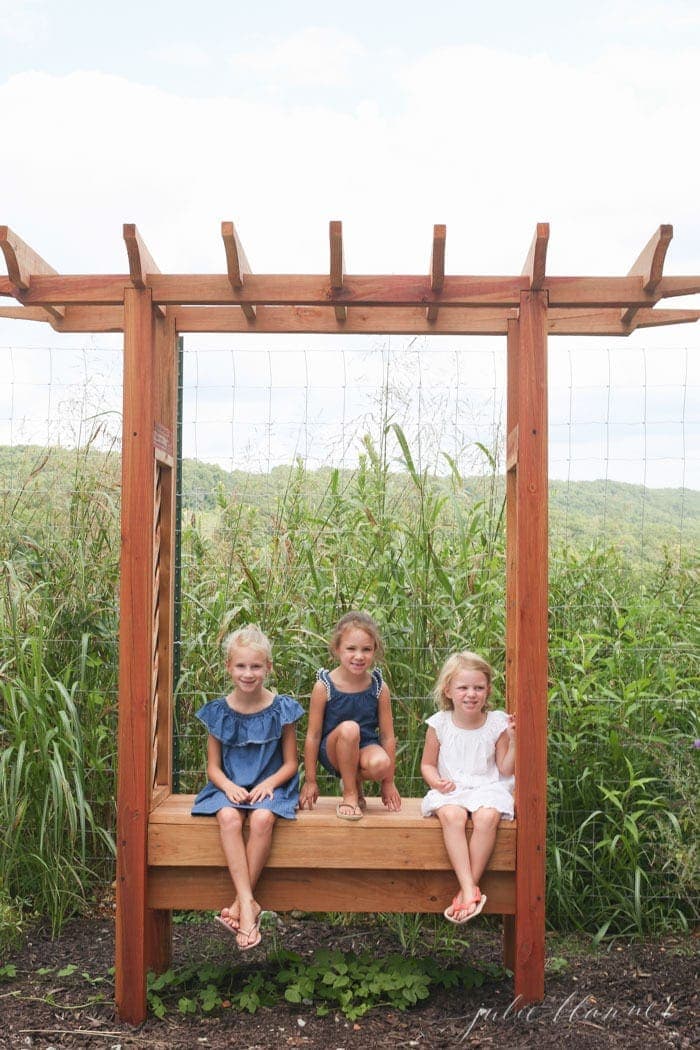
x=426 y=557
x=58 y=586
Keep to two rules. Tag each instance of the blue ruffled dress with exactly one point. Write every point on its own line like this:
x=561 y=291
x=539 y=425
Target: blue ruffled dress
x=251 y=750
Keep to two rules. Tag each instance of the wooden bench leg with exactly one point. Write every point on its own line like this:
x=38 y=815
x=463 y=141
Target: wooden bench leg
x=524 y=960
x=509 y=942
x=159 y=940
x=131 y=959
x=528 y=964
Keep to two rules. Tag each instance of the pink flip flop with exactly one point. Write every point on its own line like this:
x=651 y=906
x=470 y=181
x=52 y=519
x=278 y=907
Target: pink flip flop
x=451 y=912
x=255 y=928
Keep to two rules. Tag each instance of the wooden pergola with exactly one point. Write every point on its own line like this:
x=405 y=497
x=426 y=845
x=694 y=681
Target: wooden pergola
x=152 y=309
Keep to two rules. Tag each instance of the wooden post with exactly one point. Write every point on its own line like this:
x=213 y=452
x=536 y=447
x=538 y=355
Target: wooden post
x=512 y=349
x=135 y=656
x=526 y=633
x=159 y=925
x=145 y=637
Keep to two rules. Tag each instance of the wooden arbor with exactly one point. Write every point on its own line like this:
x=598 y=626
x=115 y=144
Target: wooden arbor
x=152 y=309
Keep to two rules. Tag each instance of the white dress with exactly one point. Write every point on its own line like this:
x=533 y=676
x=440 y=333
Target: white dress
x=468 y=757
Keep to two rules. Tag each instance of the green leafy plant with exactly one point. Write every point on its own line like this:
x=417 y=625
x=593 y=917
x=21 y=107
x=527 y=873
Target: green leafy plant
x=330 y=980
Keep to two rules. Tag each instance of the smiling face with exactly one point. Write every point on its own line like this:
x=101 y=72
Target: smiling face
x=468 y=690
x=248 y=667
x=355 y=652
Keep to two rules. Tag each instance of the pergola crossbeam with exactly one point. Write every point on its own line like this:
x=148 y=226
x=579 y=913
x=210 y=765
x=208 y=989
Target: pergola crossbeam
x=372 y=291
x=414 y=321
x=321 y=320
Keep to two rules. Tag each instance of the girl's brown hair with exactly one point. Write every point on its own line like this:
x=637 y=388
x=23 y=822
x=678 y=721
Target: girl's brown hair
x=364 y=622
x=464 y=661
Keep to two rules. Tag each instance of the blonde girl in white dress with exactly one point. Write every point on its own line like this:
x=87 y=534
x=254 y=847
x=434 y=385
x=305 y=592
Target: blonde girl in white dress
x=468 y=749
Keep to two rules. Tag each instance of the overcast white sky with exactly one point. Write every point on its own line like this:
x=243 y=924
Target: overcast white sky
x=388 y=115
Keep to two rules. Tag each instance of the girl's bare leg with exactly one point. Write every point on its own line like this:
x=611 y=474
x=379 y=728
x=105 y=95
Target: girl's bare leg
x=374 y=763
x=483 y=838
x=260 y=825
x=231 y=831
x=453 y=820
x=343 y=747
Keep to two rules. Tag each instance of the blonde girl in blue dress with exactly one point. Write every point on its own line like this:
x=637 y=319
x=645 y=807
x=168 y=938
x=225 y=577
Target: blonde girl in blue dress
x=252 y=765
x=468 y=750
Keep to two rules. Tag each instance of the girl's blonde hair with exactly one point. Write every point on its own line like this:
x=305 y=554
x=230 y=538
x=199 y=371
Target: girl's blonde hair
x=464 y=661
x=364 y=622
x=249 y=636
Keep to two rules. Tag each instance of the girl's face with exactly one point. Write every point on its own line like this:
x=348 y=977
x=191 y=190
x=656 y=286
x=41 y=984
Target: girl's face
x=468 y=691
x=248 y=668
x=355 y=651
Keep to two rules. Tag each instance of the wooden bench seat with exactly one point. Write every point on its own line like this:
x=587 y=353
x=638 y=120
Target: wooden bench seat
x=386 y=862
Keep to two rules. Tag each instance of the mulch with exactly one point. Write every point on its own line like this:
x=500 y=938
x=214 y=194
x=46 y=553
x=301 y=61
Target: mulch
x=632 y=995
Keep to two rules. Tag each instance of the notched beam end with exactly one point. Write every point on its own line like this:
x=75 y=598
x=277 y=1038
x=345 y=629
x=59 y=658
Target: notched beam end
x=140 y=259
x=649 y=265
x=437 y=257
x=237 y=265
x=22 y=261
x=536 y=261
x=337 y=254
x=437 y=268
x=337 y=266
x=31 y=313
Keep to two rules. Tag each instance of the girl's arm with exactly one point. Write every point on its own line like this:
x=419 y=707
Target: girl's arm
x=428 y=764
x=390 y=795
x=314 y=731
x=234 y=792
x=505 y=749
x=290 y=764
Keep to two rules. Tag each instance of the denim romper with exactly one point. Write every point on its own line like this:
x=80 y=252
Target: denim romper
x=349 y=707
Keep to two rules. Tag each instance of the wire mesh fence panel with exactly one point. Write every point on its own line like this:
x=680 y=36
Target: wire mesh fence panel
x=369 y=474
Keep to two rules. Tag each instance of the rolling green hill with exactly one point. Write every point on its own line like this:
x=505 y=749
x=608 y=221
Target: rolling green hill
x=641 y=523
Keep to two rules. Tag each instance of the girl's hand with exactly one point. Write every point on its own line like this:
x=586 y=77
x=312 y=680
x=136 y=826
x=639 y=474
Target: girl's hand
x=390 y=796
x=265 y=789
x=309 y=794
x=237 y=794
x=445 y=786
x=510 y=728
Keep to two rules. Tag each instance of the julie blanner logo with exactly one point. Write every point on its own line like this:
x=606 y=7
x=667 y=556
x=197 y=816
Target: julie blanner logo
x=568 y=1011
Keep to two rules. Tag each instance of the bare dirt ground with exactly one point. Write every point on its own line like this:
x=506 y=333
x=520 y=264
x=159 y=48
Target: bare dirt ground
x=628 y=995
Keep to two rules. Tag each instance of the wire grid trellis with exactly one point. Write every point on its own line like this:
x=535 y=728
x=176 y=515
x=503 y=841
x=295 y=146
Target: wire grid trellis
x=617 y=418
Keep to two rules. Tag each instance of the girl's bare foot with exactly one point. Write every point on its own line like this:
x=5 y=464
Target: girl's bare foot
x=248 y=935
x=354 y=799
x=231 y=916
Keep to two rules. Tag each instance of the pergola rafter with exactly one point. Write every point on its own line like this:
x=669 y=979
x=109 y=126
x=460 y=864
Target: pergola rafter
x=152 y=309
